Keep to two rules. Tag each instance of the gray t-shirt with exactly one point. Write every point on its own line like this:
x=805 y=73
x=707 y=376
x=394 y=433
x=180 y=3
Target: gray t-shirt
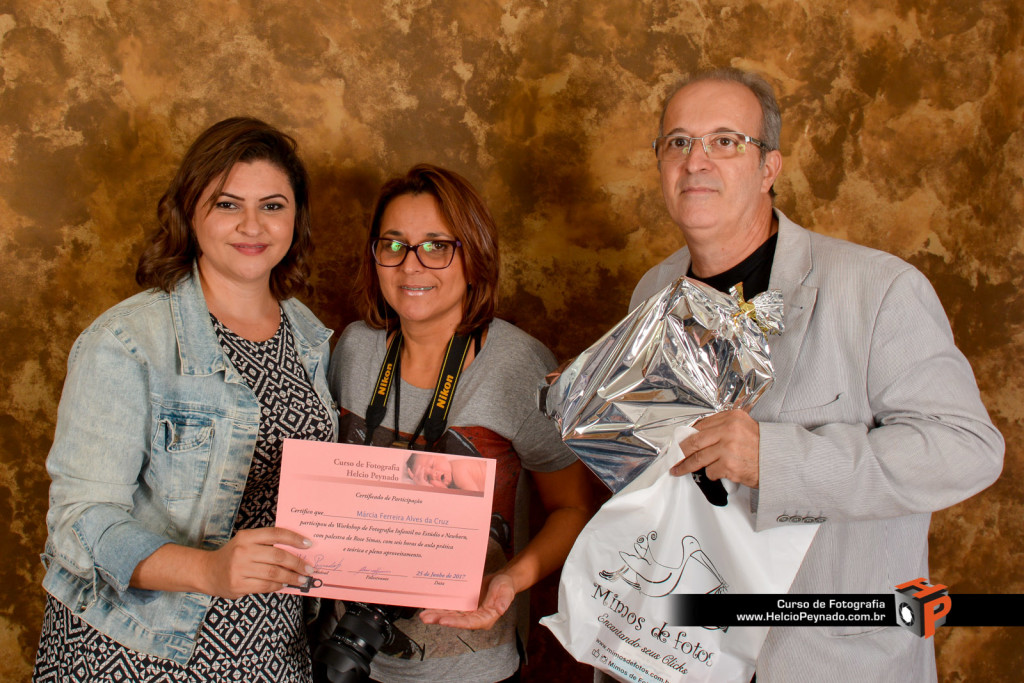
x=495 y=415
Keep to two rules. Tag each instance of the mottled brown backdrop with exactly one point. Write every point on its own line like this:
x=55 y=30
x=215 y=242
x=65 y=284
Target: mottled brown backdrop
x=902 y=130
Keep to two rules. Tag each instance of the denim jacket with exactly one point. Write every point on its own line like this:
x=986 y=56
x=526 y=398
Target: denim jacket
x=155 y=434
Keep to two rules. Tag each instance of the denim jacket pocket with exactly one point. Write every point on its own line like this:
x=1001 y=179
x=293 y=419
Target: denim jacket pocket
x=180 y=457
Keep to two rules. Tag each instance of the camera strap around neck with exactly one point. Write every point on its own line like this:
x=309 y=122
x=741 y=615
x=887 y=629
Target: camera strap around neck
x=435 y=420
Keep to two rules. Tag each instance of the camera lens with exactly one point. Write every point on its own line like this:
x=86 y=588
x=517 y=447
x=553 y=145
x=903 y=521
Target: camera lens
x=362 y=631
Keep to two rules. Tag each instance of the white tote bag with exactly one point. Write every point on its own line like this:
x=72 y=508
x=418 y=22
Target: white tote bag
x=659 y=536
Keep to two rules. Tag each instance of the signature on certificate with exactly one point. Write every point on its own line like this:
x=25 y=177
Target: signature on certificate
x=324 y=566
x=374 y=570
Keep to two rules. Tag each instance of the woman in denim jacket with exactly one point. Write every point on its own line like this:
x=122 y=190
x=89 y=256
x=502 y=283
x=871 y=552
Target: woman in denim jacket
x=162 y=558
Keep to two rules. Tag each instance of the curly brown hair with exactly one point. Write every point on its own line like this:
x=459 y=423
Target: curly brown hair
x=471 y=223
x=173 y=248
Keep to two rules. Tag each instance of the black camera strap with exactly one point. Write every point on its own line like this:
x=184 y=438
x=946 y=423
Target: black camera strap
x=379 y=401
x=435 y=420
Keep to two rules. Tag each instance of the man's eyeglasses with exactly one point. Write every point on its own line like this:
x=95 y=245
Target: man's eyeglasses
x=434 y=254
x=725 y=145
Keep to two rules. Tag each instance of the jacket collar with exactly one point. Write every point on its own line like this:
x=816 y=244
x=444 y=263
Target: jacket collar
x=790 y=268
x=308 y=331
x=199 y=350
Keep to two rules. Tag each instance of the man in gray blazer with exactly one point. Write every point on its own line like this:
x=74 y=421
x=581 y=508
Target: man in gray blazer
x=874 y=420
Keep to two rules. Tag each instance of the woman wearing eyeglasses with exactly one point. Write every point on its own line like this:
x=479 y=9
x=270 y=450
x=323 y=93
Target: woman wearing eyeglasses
x=427 y=288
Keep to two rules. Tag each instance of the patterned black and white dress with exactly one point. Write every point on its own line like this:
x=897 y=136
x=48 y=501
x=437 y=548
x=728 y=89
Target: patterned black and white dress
x=259 y=637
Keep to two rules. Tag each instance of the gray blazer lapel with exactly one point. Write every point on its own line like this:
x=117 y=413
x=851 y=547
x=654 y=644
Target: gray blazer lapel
x=790 y=268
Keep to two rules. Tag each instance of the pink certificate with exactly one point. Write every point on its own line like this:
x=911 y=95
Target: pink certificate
x=388 y=526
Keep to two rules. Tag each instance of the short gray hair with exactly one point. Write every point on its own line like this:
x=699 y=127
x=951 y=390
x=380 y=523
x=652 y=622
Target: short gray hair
x=771 y=119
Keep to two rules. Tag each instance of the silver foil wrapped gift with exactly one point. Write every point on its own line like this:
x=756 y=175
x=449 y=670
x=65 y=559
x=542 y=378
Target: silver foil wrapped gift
x=686 y=353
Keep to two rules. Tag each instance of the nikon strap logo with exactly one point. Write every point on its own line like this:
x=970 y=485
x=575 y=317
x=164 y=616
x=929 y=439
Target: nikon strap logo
x=435 y=420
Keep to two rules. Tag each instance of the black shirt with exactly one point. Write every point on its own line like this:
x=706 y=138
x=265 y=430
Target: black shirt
x=754 y=271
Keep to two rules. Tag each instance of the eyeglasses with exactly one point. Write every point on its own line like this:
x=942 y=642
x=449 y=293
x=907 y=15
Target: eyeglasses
x=433 y=254
x=725 y=145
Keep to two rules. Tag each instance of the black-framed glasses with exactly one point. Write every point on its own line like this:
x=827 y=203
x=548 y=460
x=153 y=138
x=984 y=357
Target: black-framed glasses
x=433 y=254
x=721 y=145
